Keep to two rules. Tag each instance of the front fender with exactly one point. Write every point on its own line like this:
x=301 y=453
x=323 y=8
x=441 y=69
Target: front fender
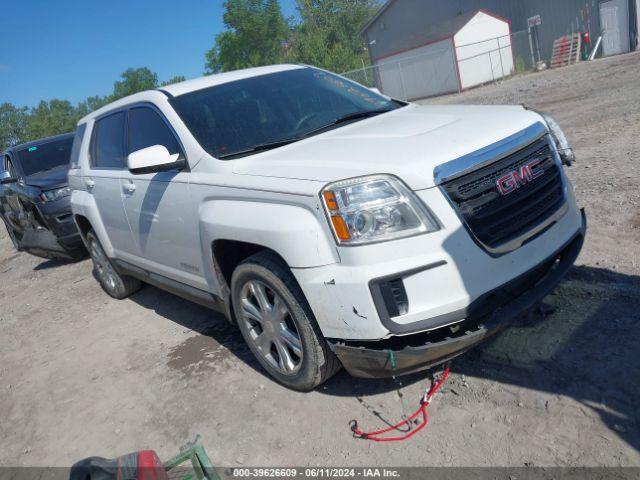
x=83 y=203
x=292 y=231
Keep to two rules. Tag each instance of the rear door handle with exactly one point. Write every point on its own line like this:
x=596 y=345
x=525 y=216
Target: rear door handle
x=89 y=183
x=129 y=187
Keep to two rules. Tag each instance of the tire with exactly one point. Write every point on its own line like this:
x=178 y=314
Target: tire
x=116 y=285
x=264 y=275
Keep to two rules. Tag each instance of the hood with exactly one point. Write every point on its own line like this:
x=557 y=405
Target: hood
x=409 y=143
x=49 y=179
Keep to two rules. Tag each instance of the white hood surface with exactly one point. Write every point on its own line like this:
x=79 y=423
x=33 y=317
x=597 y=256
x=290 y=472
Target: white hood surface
x=409 y=143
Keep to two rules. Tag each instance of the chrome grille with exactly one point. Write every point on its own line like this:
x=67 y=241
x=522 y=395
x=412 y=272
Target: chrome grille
x=496 y=219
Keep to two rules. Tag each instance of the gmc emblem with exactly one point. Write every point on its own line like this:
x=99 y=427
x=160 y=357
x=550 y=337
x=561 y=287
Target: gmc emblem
x=519 y=178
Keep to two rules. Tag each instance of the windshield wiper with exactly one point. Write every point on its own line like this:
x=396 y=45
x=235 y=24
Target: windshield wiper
x=346 y=118
x=260 y=148
x=362 y=114
x=281 y=143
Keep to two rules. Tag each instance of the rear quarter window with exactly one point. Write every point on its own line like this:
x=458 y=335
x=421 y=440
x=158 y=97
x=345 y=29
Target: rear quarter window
x=77 y=143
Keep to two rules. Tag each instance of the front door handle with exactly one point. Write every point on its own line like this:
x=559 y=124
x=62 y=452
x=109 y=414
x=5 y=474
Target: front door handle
x=89 y=183
x=129 y=188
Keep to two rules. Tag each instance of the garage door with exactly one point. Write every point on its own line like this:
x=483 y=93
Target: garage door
x=614 y=23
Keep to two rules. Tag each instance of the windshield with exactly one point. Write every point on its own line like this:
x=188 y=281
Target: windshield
x=46 y=156
x=247 y=115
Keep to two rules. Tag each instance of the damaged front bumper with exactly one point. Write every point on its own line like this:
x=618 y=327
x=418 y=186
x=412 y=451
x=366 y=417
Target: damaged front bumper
x=43 y=243
x=54 y=234
x=485 y=317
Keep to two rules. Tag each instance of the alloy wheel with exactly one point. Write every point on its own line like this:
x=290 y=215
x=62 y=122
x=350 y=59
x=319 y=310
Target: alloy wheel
x=103 y=266
x=270 y=327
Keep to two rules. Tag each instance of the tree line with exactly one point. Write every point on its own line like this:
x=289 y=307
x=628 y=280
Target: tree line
x=326 y=35
x=52 y=117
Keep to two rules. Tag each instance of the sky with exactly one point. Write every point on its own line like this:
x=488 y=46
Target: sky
x=74 y=49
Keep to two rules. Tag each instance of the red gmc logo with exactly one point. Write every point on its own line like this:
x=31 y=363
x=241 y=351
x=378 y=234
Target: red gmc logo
x=519 y=178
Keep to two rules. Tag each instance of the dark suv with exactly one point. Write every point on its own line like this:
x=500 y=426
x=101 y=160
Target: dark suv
x=34 y=198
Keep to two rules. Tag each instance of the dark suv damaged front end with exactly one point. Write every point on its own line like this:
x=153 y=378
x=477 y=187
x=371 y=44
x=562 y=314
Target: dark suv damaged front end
x=35 y=199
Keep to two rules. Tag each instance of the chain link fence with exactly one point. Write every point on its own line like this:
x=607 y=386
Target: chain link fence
x=442 y=69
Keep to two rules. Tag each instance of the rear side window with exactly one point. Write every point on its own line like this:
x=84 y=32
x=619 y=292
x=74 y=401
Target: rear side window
x=147 y=128
x=77 y=143
x=108 y=142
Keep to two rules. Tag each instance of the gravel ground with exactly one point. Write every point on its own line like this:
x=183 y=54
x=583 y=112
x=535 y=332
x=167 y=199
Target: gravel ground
x=82 y=374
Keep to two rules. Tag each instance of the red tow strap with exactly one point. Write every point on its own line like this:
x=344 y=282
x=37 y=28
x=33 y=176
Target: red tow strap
x=378 y=435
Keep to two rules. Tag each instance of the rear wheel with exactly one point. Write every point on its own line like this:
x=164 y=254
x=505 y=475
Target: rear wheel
x=116 y=285
x=278 y=325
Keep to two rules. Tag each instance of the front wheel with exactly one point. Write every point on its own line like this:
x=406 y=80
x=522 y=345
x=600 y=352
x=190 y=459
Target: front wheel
x=278 y=325
x=116 y=285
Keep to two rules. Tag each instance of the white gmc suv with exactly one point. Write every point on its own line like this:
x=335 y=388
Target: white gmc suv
x=335 y=226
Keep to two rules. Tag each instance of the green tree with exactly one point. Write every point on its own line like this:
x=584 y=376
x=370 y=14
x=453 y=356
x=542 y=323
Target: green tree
x=51 y=118
x=134 y=80
x=176 y=79
x=13 y=125
x=328 y=33
x=96 y=102
x=19 y=125
x=255 y=34
x=91 y=104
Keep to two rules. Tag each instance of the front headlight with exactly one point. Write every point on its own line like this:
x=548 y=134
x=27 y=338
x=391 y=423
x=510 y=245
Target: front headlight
x=564 y=150
x=53 y=195
x=375 y=208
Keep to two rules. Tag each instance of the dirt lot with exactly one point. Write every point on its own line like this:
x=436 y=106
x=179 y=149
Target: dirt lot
x=82 y=374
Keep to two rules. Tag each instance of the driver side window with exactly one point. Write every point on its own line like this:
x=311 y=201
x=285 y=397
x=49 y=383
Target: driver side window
x=8 y=166
x=147 y=128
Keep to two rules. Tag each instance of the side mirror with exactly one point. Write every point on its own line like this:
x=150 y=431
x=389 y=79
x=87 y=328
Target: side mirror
x=5 y=178
x=153 y=159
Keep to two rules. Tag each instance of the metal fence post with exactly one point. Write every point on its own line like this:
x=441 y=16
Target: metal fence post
x=491 y=65
x=457 y=63
x=538 y=45
x=404 y=91
x=364 y=70
x=533 y=60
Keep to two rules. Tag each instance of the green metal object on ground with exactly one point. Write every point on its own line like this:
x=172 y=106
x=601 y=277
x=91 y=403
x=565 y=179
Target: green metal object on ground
x=202 y=467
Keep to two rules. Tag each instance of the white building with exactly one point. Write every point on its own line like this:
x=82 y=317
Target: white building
x=405 y=29
x=463 y=52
